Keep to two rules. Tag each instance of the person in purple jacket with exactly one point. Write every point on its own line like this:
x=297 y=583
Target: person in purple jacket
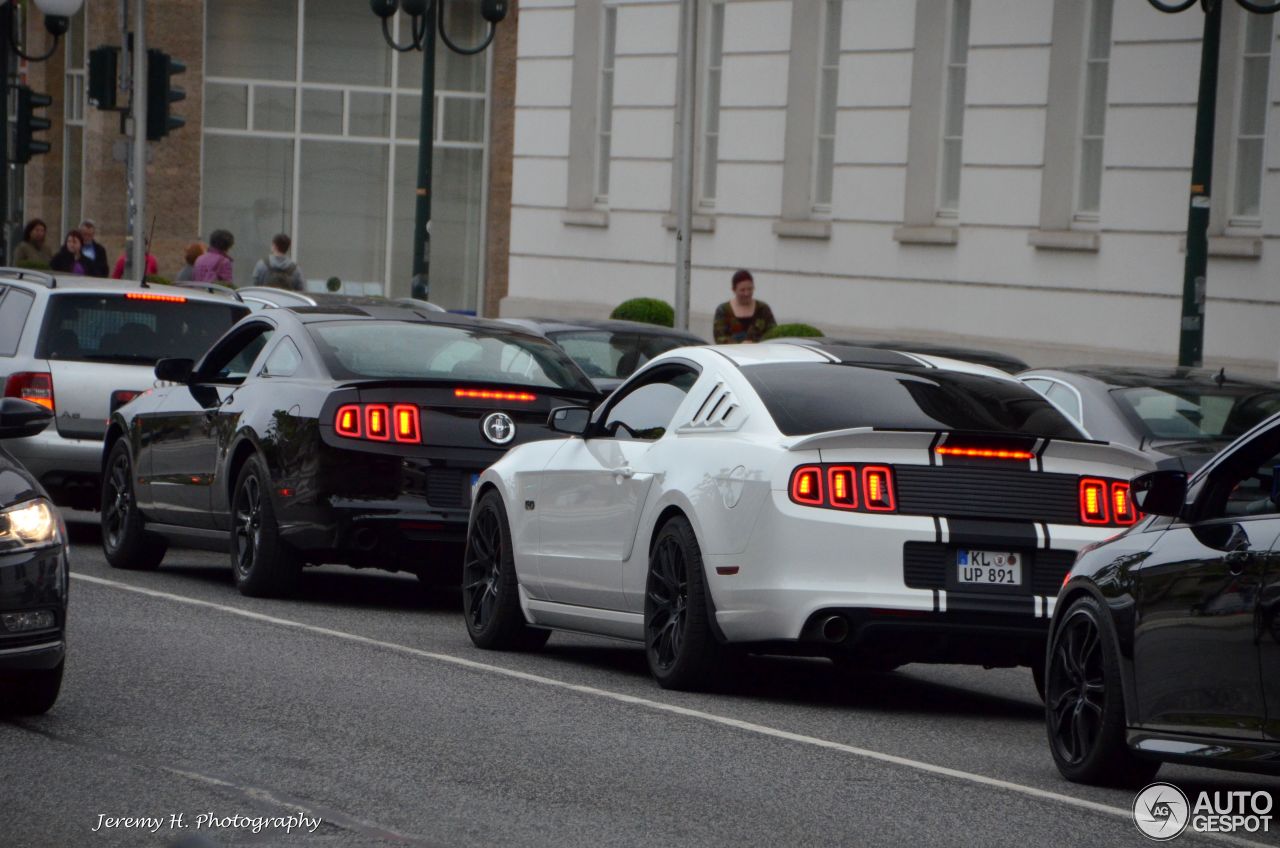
x=215 y=265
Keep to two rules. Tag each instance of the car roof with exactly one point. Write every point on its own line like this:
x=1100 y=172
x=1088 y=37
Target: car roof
x=39 y=280
x=994 y=358
x=1129 y=376
x=560 y=325
x=780 y=352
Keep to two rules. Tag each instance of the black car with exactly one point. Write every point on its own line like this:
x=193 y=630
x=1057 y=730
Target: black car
x=327 y=435
x=608 y=350
x=33 y=575
x=1180 y=417
x=992 y=358
x=1165 y=643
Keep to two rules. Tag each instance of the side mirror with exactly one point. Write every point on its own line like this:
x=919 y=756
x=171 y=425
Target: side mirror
x=21 y=418
x=1160 y=492
x=574 y=420
x=174 y=370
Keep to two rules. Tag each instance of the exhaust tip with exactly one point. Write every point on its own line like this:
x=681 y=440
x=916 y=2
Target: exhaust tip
x=834 y=628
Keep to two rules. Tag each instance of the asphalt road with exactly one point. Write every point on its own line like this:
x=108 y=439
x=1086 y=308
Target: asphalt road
x=363 y=704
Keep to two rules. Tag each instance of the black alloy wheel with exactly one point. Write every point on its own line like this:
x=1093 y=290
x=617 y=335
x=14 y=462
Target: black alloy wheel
x=1084 y=703
x=490 y=587
x=125 y=542
x=681 y=649
x=263 y=563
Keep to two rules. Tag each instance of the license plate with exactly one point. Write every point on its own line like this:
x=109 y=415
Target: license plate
x=989 y=568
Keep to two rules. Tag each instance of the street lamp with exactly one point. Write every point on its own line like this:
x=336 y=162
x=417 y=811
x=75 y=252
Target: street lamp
x=426 y=19
x=1194 y=280
x=57 y=18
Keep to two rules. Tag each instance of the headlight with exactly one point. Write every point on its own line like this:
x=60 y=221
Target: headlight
x=30 y=524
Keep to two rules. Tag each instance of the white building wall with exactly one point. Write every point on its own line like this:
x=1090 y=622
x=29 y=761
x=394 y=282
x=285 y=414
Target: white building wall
x=992 y=287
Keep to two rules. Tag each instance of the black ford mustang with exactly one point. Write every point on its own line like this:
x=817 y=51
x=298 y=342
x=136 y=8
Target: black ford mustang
x=327 y=435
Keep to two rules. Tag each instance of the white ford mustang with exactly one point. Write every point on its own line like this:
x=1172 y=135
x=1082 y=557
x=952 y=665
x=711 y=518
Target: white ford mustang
x=875 y=507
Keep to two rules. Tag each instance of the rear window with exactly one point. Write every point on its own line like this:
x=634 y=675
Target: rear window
x=605 y=354
x=394 y=350
x=114 y=328
x=806 y=398
x=1204 y=412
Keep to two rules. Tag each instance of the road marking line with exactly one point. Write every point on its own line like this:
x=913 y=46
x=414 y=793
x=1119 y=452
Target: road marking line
x=634 y=700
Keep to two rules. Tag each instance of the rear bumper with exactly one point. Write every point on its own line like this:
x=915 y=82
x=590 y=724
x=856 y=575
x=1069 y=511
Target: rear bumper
x=405 y=534
x=32 y=581
x=69 y=469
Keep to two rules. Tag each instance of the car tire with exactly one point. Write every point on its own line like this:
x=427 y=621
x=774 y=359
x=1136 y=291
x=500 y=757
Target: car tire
x=1037 y=677
x=30 y=691
x=490 y=588
x=264 y=565
x=125 y=542
x=1084 y=702
x=679 y=645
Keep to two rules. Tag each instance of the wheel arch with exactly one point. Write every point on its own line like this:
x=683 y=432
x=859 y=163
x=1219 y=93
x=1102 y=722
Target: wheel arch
x=676 y=509
x=1076 y=590
x=239 y=455
x=115 y=432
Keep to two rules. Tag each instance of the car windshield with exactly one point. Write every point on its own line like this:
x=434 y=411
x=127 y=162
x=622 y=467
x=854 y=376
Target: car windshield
x=602 y=353
x=141 y=328
x=806 y=398
x=394 y=349
x=1198 y=411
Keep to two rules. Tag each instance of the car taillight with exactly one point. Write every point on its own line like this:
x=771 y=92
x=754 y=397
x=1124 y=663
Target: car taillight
x=983 y=453
x=1122 y=509
x=379 y=422
x=35 y=386
x=493 y=394
x=1093 y=501
x=848 y=487
x=156 y=298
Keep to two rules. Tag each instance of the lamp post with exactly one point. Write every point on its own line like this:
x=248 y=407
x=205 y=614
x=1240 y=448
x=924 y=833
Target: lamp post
x=57 y=19
x=1195 y=271
x=426 y=20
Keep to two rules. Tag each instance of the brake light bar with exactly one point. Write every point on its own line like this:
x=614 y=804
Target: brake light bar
x=162 y=298
x=983 y=453
x=867 y=488
x=1093 y=501
x=35 y=386
x=492 y=394
x=379 y=422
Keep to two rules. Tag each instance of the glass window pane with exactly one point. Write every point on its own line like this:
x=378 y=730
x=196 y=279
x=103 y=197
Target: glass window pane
x=73 y=171
x=827 y=108
x=1095 y=98
x=273 y=109
x=342 y=215
x=322 y=111
x=248 y=189
x=456 y=227
x=959 y=31
x=955 y=102
x=1100 y=30
x=455 y=72
x=252 y=38
x=1090 y=195
x=606 y=102
x=950 y=174
x=370 y=114
x=1257 y=34
x=343 y=43
x=1248 y=194
x=825 y=170
x=1253 y=96
x=715 y=55
x=75 y=41
x=226 y=106
x=831 y=46
x=711 y=115
x=463 y=120
x=603 y=156
x=710 y=156
x=408 y=115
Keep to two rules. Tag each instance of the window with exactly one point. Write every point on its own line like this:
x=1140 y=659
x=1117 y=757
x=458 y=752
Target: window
x=1246 y=200
x=645 y=411
x=953 y=109
x=14 y=306
x=602 y=353
x=605 y=119
x=283 y=361
x=1067 y=399
x=231 y=361
x=711 y=103
x=86 y=328
x=73 y=126
x=1245 y=484
x=1094 y=110
x=828 y=77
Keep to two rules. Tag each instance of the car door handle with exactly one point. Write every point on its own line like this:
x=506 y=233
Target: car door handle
x=624 y=471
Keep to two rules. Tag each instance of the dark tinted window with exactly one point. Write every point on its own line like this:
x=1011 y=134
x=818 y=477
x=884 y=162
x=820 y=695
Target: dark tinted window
x=393 y=349
x=1192 y=412
x=603 y=353
x=808 y=398
x=231 y=360
x=645 y=412
x=113 y=328
x=14 y=306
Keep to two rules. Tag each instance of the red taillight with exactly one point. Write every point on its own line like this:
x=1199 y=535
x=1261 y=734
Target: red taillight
x=1093 y=501
x=406 y=423
x=36 y=387
x=983 y=453
x=806 y=485
x=842 y=486
x=161 y=298
x=491 y=394
x=347 y=421
x=1122 y=504
x=377 y=422
x=877 y=488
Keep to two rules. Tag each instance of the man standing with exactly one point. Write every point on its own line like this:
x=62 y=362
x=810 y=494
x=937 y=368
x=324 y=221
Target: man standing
x=95 y=255
x=278 y=270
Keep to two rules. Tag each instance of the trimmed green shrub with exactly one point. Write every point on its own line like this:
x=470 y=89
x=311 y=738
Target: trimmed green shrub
x=333 y=284
x=646 y=310
x=156 y=279
x=792 y=331
x=34 y=265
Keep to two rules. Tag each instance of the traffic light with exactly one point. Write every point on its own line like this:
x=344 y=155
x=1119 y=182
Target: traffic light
x=26 y=144
x=104 y=68
x=161 y=92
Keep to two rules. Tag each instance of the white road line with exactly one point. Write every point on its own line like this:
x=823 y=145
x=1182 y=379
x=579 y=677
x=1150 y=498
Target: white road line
x=725 y=721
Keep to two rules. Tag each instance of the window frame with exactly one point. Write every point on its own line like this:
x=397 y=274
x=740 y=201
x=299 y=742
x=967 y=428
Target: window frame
x=1235 y=218
x=662 y=373
x=1083 y=137
x=827 y=64
x=951 y=111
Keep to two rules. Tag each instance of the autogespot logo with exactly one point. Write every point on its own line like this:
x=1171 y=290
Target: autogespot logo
x=1161 y=811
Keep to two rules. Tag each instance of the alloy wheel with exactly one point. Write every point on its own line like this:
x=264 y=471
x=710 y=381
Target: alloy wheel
x=482 y=569
x=669 y=596
x=119 y=501
x=248 y=527
x=1077 y=691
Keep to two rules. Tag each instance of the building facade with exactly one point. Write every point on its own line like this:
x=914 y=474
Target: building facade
x=1009 y=173
x=299 y=119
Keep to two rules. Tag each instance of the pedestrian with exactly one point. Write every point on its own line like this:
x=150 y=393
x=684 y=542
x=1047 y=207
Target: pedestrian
x=70 y=259
x=278 y=270
x=215 y=265
x=193 y=252
x=95 y=255
x=32 y=251
x=743 y=318
x=153 y=267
